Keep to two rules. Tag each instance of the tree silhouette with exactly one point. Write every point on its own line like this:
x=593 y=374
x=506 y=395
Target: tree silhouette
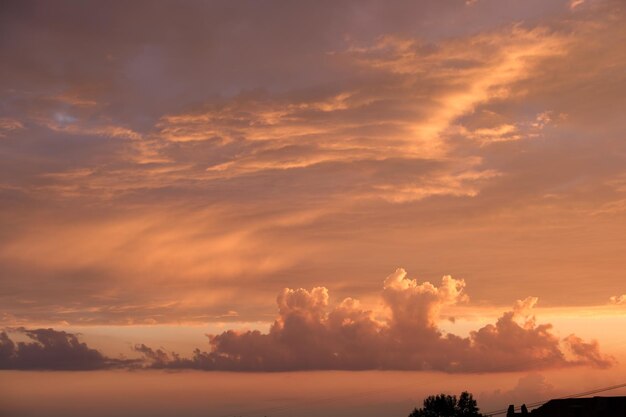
x=466 y=405
x=443 y=405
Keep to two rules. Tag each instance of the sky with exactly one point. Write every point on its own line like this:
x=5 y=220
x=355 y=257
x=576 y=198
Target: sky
x=356 y=203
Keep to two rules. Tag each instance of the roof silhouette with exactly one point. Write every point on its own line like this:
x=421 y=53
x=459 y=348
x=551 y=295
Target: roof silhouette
x=577 y=407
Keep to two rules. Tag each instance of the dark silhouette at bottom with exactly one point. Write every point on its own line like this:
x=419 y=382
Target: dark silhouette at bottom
x=511 y=411
x=576 y=407
x=443 y=405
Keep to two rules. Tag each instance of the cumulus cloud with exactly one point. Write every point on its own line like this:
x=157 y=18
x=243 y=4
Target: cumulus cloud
x=587 y=352
x=416 y=305
x=52 y=350
x=618 y=299
x=308 y=335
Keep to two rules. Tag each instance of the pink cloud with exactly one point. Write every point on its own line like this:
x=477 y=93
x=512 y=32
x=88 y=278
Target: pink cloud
x=308 y=335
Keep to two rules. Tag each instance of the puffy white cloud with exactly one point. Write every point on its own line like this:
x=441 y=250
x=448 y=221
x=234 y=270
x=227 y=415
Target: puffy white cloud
x=418 y=305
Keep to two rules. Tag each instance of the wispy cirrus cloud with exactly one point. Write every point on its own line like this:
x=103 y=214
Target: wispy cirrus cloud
x=372 y=138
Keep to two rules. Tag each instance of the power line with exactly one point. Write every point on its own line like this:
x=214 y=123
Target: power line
x=580 y=394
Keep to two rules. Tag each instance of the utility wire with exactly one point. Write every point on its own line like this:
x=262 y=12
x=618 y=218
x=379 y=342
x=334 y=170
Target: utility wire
x=327 y=400
x=580 y=394
x=333 y=399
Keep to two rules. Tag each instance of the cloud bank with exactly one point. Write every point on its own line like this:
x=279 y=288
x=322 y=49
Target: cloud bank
x=307 y=335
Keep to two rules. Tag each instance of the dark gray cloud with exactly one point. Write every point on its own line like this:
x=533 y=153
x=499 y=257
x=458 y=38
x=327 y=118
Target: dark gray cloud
x=50 y=349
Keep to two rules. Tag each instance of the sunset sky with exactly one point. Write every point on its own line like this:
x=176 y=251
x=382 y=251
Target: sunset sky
x=309 y=208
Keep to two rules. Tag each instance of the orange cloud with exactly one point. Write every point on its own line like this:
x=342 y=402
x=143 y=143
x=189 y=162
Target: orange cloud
x=8 y=125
